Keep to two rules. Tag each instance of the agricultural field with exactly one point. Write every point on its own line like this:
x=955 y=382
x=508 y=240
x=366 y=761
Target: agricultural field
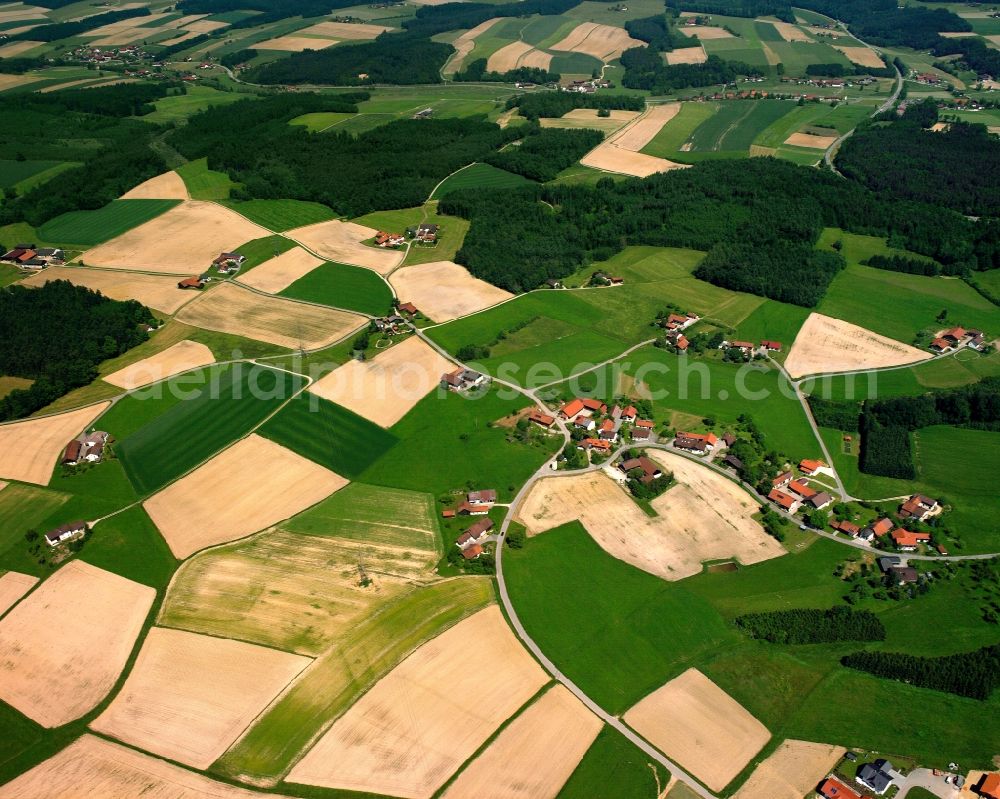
x=480 y=176
x=281 y=215
x=342 y=286
x=88 y=228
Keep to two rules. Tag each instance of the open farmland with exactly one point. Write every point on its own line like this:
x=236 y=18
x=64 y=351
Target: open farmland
x=92 y=766
x=190 y=696
x=481 y=176
x=344 y=31
x=517 y=55
x=250 y=486
x=13 y=586
x=168 y=186
x=229 y=308
x=62 y=648
x=94 y=227
x=686 y=55
x=182 y=241
x=464 y=43
x=341 y=242
x=384 y=389
x=588 y=118
x=280 y=272
x=342 y=286
x=443 y=290
x=154 y=291
x=534 y=756
x=697 y=724
x=620 y=152
x=405 y=737
x=296 y=44
x=603 y=42
x=281 y=215
x=29 y=449
x=792 y=771
x=181 y=357
x=862 y=56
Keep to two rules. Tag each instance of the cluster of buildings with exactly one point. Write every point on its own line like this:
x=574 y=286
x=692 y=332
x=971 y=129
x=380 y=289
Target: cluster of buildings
x=650 y=471
x=675 y=324
x=126 y=54
x=425 y=233
x=31 y=258
x=790 y=493
x=87 y=448
x=476 y=503
x=605 y=428
x=229 y=263
x=917 y=508
x=749 y=349
x=386 y=240
x=704 y=443
x=957 y=337
x=587 y=86
x=602 y=279
x=396 y=323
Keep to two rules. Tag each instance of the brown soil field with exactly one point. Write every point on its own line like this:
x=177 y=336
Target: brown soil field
x=182 y=241
x=295 y=44
x=279 y=273
x=705 y=32
x=465 y=43
x=795 y=769
x=644 y=129
x=17 y=48
x=298 y=593
x=341 y=241
x=344 y=30
x=620 y=152
x=190 y=696
x=13 y=586
x=10 y=81
x=29 y=449
x=825 y=344
x=93 y=767
x=703 y=517
x=791 y=33
x=385 y=388
x=181 y=357
x=587 y=118
x=63 y=647
x=534 y=756
x=205 y=26
x=443 y=290
x=687 y=55
x=230 y=308
x=517 y=54
x=861 y=56
x=248 y=487
x=168 y=186
x=693 y=721
x=15 y=12
x=420 y=722
x=957 y=34
x=810 y=140
x=158 y=292
x=603 y=42
x=185 y=36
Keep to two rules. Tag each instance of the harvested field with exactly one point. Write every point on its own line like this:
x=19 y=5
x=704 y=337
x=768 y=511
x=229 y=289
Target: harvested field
x=252 y=485
x=157 y=292
x=181 y=357
x=230 y=308
x=190 y=696
x=515 y=55
x=91 y=766
x=464 y=45
x=385 y=388
x=705 y=32
x=418 y=724
x=63 y=647
x=15 y=49
x=344 y=30
x=703 y=517
x=13 y=586
x=182 y=241
x=791 y=33
x=861 y=56
x=535 y=755
x=341 y=241
x=187 y=35
x=795 y=769
x=295 y=44
x=644 y=129
x=205 y=26
x=620 y=152
x=29 y=449
x=587 y=118
x=693 y=721
x=168 y=186
x=10 y=81
x=810 y=140
x=603 y=42
x=280 y=272
x=824 y=344
x=687 y=55
x=443 y=290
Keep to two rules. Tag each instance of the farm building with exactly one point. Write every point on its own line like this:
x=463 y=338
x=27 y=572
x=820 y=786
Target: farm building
x=191 y=283
x=810 y=467
x=785 y=501
x=384 y=239
x=228 y=262
x=485 y=497
x=595 y=444
x=407 y=308
x=834 y=789
x=650 y=471
x=919 y=507
x=541 y=419
x=771 y=346
x=782 y=480
x=474 y=534
x=908 y=540
x=989 y=786
x=698 y=443
x=462 y=379
x=65 y=532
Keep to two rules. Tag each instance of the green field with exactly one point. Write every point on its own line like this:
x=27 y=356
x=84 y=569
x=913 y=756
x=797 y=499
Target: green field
x=320 y=121
x=281 y=215
x=480 y=176
x=613 y=766
x=328 y=434
x=179 y=108
x=188 y=432
x=672 y=136
x=263 y=249
x=13 y=172
x=343 y=286
x=93 y=227
x=203 y=183
x=23 y=508
x=130 y=545
x=736 y=125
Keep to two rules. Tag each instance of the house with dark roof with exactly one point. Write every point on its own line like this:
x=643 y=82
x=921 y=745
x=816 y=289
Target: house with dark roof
x=732 y=460
x=65 y=532
x=650 y=471
x=904 y=575
x=698 y=443
x=820 y=500
x=462 y=379
x=782 y=480
x=71 y=455
x=886 y=562
x=474 y=534
x=875 y=776
x=486 y=496
x=919 y=507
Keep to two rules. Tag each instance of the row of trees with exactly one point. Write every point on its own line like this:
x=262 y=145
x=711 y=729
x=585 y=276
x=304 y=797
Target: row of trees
x=546 y=152
x=432 y=19
x=556 y=104
x=737 y=8
x=645 y=69
x=977 y=405
x=81 y=328
x=812 y=626
x=974 y=674
x=477 y=72
x=658 y=33
x=911 y=266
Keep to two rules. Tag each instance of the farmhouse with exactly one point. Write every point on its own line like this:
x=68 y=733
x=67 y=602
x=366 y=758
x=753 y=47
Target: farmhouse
x=65 y=532
x=644 y=424
x=698 y=443
x=989 y=786
x=881 y=527
x=473 y=552
x=427 y=233
x=820 y=500
x=677 y=322
x=584 y=422
x=642 y=434
x=834 y=789
x=783 y=500
x=782 y=480
x=629 y=414
x=904 y=575
x=810 y=467
x=771 y=346
x=383 y=239
x=408 y=308
x=586 y=407
x=745 y=347
x=802 y=489
x=27 y=256
x=474 y=534
x=71 y=455
x=650 y=471
x=462 y=379
x=191 y=283
x=848 y=528
x=609 y=430
x=393 y=325
x=89 y=448
x=541 y=419
x=594 y=443
x=876 y=776
x=919 y=507
x=472 y=509
x=487 y=496
x=908 y=540
x=228 y=262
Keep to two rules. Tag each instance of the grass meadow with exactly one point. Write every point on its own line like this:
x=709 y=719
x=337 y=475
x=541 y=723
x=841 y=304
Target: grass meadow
x=13 y=172
x=204 y=183
x=281 y=215
x=320 y=121
x=480 y=176
x=613 y=766
x=179 y=108
x=343 y=286
x=93 y=227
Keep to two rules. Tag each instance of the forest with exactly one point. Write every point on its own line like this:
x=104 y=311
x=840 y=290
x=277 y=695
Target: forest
x=737 y=8
x=433 y=19
x=973 y=674
x=82 y=328
x=886 y=449
x=911 y=266
x=544 y=153
x=556 y=104
x=812 y=626
x=476 y=71
x=977 y=405
x=645 y=69
x=762 y=212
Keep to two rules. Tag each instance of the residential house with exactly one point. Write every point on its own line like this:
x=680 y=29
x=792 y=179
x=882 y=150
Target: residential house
x=698 y=443
x=65 y=532
x=390 y=324
x=486 y=496
x=785 y=501
x=745 y=347
x=802 y=489
x=93 y=444
x=848 y=528
x=407 y=308
x=677 y=322
x=771 y=346
x=907 y=540
x=584 y=422
x=989 y=786
x=919 y=507
x=71 y=455
x=448 y=513
x=875 y=776
x=887 y=562
x=594 y=444
x=940 y=345
x=428 y=233
x=552 y=283
x=228 y=262
x=609 y=430
x=834 y=789
x=642 y=434
x=541 y=419
x=643 y=424
x=476 y=533
x=472 y=509
x=782 y=480
x=571 y=409
x=473 y=552
x=904 y=575
x=191 y=283
x=810 y=467
x=679 y=340
x=955 y=336
x=977 y=340
x=629 y=414
x=820 y=500
x=879 y=528
x=650 y=471
x=463 y=379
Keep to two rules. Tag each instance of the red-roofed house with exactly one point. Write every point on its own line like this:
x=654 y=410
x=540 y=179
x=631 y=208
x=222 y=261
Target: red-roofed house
x=834 y=789
x=584 y=423
x=919 y=507
x=407 y=308
x=849 y=528
x=907 y=540
x=698 y=443
x=191 y=283
x=786 y=501
x=771 y=346
x=646 y=424
x=955 y=335
x=940 y=344
x=609 y=430
x=810 y=467
x=650 y=471
x=542 y=419
x=629 y=414
x=571 y=409
x=682 y=343
x=989 y=786
x=594 y=405
x=473 y=552
x=594 y=443
x=802 y=489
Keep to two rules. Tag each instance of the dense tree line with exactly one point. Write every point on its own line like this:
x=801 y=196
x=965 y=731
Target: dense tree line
x=658 y=33
x=911 y=266
x=973 y=674
x=977 y=405
x=556 y=104
x=958 y=168
x=432 y=19
x=288 y=8
x=22 y=64
x=838 y=414
x=884 y=22
x=476 y=71
x=64 y=30
x=886 y=449
x=737 y=8
x=973 y=53
x=391 y=58
x=238 y=57
x=811 y=626
x=56 y=335
x=393 y=166
x=545 y=153
x=764 y=203
x=645 y=69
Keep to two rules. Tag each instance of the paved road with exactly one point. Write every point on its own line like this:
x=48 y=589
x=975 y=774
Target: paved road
x=924 y=778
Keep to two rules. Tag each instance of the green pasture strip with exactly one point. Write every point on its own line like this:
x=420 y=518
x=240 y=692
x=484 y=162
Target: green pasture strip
x=672 y=136
x=343 y=286
x=203 y=183
x=613 y=766
x=320 y=121
x=480 y=176
x=281 y=215
x=130 y=545
x=178 y=108
x=22 y=508
x=13 y=172
x=263 y=249
x=94 y=227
